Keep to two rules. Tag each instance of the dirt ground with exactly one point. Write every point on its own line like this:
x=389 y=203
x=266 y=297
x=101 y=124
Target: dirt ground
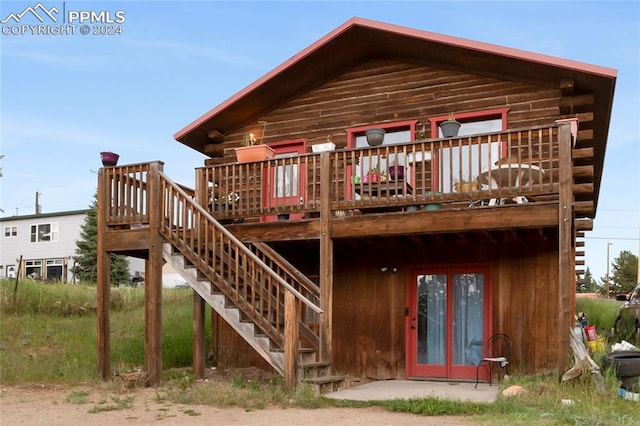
x=50 y=405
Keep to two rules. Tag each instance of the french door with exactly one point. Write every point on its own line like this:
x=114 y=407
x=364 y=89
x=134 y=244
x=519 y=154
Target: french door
x=448 y=320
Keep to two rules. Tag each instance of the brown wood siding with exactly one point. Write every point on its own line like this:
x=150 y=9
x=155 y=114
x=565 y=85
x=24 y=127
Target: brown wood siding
x=368 y=305
x=369 y=332
x=380 y=92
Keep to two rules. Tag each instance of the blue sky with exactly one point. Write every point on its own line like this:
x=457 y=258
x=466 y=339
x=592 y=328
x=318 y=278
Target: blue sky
x=65 y=98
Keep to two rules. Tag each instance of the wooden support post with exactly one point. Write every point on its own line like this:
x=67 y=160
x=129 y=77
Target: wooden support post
x=153 y=281
x=291 y=339
x=326 y=259
x=566 y=272
x=103 y=278
x=199 y=350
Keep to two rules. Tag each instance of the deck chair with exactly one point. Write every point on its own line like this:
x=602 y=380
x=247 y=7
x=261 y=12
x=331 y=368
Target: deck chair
x=497 y=351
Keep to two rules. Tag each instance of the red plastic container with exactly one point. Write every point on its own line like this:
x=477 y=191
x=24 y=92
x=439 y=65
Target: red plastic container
x=590 y=331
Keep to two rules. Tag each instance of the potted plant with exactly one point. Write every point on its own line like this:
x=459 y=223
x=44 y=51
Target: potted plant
x=227 y=202
x=327 y=146
x=450 y=127
x=109 y=158
x=396 y=172
x=252 y=150
x=374 y=175
x=465 y=185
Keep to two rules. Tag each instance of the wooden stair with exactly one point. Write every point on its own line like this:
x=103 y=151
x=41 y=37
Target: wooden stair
x=309 y=372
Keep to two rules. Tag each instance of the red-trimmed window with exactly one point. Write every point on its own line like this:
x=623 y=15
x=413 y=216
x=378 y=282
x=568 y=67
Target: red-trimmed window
x=475 y=122
x=395 y=133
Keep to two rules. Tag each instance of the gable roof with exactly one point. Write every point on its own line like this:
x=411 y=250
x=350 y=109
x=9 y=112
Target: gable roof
x=359 y=40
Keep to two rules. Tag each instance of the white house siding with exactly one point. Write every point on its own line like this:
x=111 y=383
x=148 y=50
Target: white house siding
x=69 y=227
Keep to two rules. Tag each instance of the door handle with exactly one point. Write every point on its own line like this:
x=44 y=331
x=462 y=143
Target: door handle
x=413 y=327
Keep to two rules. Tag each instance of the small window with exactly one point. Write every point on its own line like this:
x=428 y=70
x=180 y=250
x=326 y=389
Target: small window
x=44 y=232
x=10 y=231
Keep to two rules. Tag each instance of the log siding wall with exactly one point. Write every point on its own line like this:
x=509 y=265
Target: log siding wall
x=369 y=327
x=383 y=92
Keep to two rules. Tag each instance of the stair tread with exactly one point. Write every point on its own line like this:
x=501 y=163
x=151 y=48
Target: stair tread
x=324 y=379
x=314 y=364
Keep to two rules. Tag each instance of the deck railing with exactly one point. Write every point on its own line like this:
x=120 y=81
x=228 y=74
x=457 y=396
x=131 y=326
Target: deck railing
x=260 y=283
x=484 y=168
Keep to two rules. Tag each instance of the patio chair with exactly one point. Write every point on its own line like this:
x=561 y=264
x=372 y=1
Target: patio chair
x=496 y=351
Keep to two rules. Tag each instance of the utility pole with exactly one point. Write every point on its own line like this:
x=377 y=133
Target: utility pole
x=607 y=277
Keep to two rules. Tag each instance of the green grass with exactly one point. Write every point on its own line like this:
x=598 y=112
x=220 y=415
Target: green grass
x=48 y=331
x=47 y=335
x=600 y=312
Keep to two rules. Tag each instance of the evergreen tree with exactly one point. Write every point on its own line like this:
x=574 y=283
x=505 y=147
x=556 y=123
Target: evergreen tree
x=624 y=271
x=589 y=284
x=86 y=257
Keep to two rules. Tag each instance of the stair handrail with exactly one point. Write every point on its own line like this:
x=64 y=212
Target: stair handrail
x=239 y=244
x=287 y=267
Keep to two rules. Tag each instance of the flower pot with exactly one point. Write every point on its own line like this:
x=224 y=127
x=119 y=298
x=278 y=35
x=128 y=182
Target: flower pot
x=396 y=172
x=375 y=137
x=466 y=186
x=449 y=128
x=371 y=178
x=249 y=154
x=322 y=147
x=109 y=158
x=435 y=205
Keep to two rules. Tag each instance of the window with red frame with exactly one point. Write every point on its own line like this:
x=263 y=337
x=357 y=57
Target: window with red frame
x=471 y=123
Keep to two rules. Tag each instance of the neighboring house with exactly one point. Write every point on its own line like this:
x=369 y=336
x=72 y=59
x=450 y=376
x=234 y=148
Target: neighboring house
x=401 y=273
x=46 y=243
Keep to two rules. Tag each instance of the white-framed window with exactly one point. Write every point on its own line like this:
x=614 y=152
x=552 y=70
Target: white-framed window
x=55 y=269
x=33 y=268
x=44 y=232
x=10 y=231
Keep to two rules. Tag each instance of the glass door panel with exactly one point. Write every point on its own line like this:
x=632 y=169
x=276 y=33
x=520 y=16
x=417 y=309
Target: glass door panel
x=432 y=319
x=468 y=318
x=448 y=321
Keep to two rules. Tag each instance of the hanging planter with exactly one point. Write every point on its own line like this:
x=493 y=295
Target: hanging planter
x=450 y=127
x=374 y=137
x=109 y=158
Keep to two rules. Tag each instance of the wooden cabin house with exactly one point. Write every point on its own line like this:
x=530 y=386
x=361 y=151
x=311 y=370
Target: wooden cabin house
x=330 y=257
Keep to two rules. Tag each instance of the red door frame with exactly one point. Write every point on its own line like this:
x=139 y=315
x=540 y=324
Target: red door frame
x=448 y=370
x=294 y=145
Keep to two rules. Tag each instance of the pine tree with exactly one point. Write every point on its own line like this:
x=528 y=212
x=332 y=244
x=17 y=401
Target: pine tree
x=86 y=257
x=624 y=273
x=588 y=285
